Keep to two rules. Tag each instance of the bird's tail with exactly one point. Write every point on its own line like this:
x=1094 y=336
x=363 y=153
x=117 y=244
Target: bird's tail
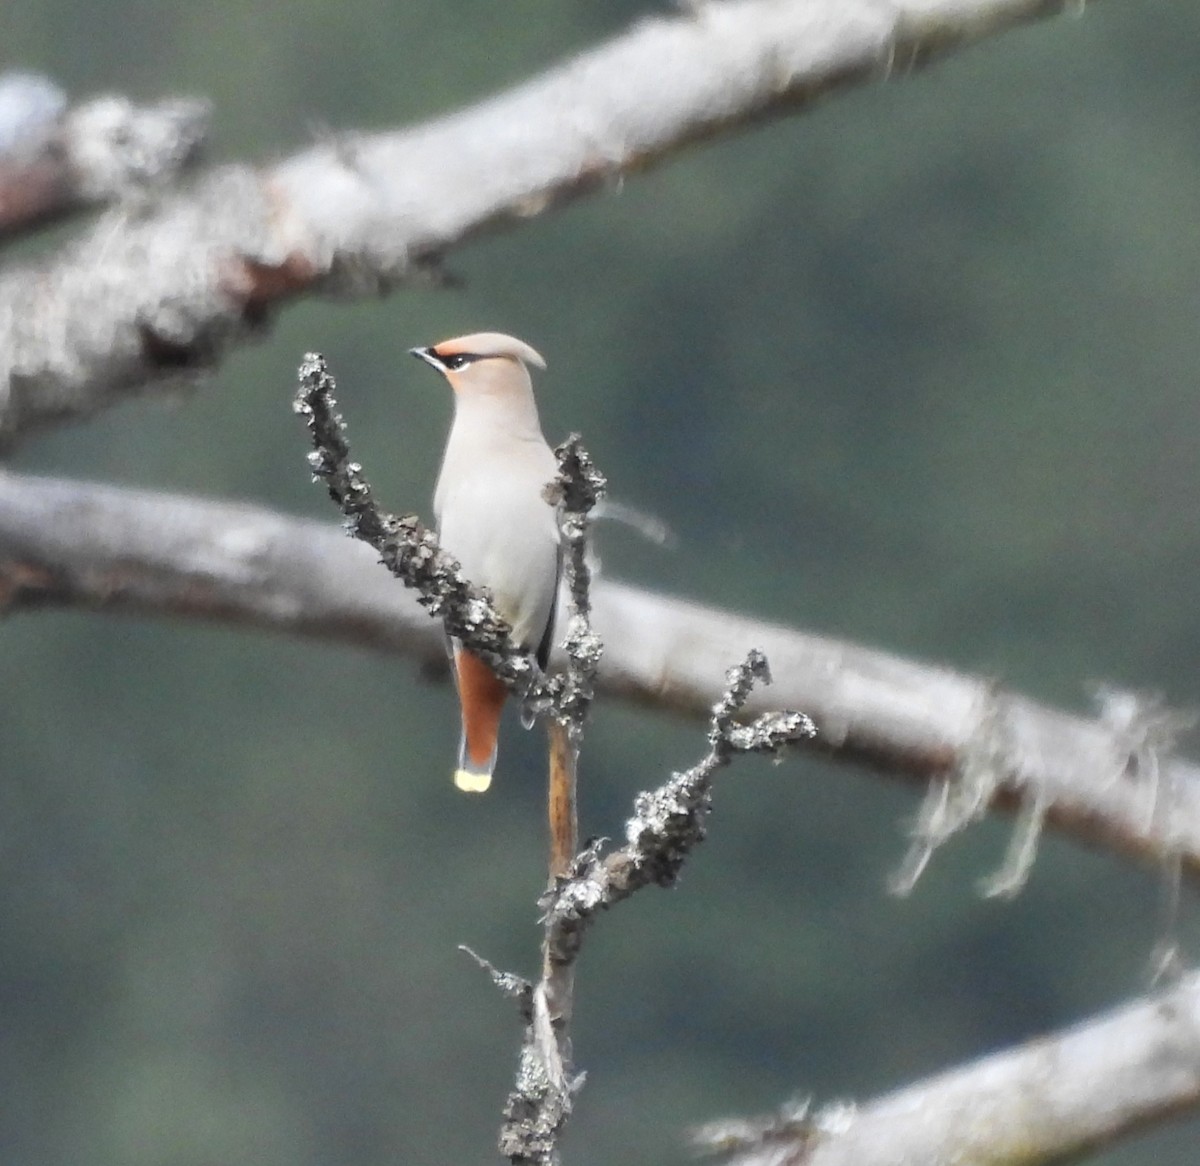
x=481 y=694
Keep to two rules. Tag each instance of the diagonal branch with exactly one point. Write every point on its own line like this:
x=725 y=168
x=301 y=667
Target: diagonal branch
x=1048 y=1100
x=406 y=547
x=145 y=297
x=670 y=821
x=104 y=548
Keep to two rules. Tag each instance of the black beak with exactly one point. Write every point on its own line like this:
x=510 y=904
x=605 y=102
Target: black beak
x=428 y=356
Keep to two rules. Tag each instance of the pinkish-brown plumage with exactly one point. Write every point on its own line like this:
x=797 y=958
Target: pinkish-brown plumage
x=493 y=518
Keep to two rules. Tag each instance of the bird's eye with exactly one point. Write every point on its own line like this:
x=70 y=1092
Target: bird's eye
x=456 y=361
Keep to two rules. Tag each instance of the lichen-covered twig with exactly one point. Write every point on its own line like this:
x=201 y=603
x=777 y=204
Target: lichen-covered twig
x=667 y=824
x=540 y=1100
x=575 y=492
x=669 y=821
x=405 y=545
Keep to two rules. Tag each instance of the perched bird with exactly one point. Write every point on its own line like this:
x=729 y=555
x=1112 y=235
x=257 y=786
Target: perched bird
x=493 y=518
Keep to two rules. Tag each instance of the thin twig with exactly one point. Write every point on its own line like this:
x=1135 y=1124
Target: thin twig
x=668 y=823
x=576 y=491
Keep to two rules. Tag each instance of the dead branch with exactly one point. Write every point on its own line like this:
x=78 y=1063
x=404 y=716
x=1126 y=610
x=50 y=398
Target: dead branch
x=149 y=296
x=1050 y=1099
x=668 y=823
x=56 y=160
x=540 y=1103
x=405 y=546
x=104 y=548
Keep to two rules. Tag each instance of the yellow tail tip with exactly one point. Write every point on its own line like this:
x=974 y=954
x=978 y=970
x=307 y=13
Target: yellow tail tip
x=472 y=783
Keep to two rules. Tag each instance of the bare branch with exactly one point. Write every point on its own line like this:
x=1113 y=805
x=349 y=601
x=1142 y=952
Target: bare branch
x=1046 y=1100
x=143 y=298
x=56 y=160
x=111 y=549
x=541 y=1101
x=576 y=491
x=405 y=546
x=668 y=823
x=106 y=548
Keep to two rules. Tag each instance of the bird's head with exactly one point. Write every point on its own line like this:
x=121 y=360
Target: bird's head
x=484 y=362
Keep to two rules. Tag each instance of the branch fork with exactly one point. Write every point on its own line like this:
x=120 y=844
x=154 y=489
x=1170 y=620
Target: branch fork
x=668 y=821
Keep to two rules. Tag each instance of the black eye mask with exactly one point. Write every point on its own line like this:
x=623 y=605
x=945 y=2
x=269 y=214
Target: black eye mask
x=457 y=360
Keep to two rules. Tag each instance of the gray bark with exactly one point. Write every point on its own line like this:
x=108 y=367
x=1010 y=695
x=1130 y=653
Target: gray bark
x=163 y=288
x=56 y=160
x=112 y=549
x=1047 y=1100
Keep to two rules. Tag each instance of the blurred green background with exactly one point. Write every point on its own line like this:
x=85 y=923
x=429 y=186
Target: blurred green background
x=925 y=358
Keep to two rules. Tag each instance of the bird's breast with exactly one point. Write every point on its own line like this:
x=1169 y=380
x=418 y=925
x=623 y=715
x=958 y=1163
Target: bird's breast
x=505 y=536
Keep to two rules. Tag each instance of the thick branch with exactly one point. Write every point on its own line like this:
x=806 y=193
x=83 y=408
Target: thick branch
x=56 y=160
x=145 y=297
x=1047 y=1100
x=104 y=548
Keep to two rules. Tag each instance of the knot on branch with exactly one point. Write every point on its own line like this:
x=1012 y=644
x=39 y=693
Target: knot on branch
x=118 y=149
x=578 y=487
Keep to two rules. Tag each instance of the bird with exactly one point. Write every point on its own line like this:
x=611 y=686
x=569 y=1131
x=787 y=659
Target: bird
x=493 y=518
